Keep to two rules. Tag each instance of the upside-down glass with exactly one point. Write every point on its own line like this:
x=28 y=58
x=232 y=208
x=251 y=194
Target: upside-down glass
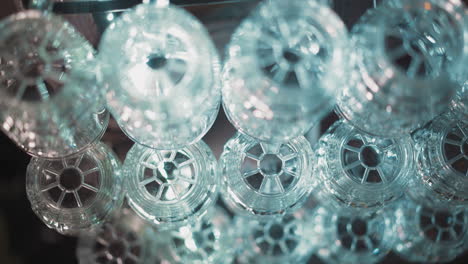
x=209 y=241
x=275 y=240
x=171 y=188
x=405 y=51
x=284 y=66
x=49 y=98
x=350 y=236
x=77 y=192
x=360 y=170
x=430 y=233
x=261 y=180
x=163 y=85
x=125 y=238
x=442 y=160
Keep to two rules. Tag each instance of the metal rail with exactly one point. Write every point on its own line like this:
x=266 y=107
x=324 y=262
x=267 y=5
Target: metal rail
x=77 y=7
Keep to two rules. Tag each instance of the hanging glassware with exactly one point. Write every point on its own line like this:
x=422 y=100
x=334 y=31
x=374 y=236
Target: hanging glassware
x=125 y=238
x=209 y=241
x=171 y=188
x=261 y=180
x=275 y=240
x=77 y=192
x=351 y=235
x=405 y=51
x=430 y=233
x=285 y=65
x=49 y=98
x=360 y=170
x=442 y=160
x=163 y=85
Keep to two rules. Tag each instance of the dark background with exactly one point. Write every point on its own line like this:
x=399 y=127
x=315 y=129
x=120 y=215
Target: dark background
x=23 y=238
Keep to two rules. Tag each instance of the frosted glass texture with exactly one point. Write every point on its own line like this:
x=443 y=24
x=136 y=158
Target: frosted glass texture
x=442 y=159
x=209 y=241
x=161 y=74
x=352 y=236
x=275 y=240
x=265 y=179
x=75 y=193
x=405 y=51
x=430 y=234
x=49 y=99
x=285 y=64
x=171 y=188
x=126 y=238
x=360 y=170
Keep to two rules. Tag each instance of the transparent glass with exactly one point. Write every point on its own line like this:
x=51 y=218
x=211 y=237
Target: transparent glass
x=274 y=240
x=49 y=98
x=171 y=188
x=405 y=51
x=360 y=170
x=209 y=241
x=460 y=102
x=125 y=239
x=430 y=234
x=352 y=236
x=442 y=160
x=75 y=193
x=163 y=87
x=265 y=179
x=285 y=65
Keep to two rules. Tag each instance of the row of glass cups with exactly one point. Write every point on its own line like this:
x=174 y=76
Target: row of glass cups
x=51 y=106
x=162 y=90
x=74 y=182
x=278 y=79
x=285 y=68
x=366 y=198
x=396 y=83
x=314 y=232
